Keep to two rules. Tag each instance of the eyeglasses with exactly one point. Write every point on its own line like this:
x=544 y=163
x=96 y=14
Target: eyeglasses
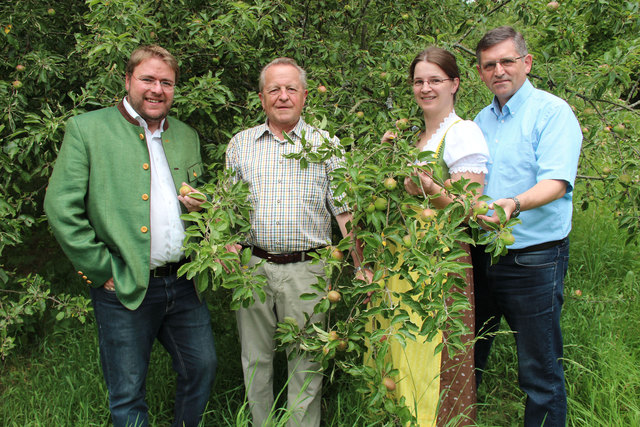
x=149 y=82
x=504 y=62
x=431 y=82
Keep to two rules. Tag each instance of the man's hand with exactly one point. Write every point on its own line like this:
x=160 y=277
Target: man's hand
x=233 y=248
x=366 y=275
x=109 y=285
x=508 y=205
x=191 y=203
x=389 y=136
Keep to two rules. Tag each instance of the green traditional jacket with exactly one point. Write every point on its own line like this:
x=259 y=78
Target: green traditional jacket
x=97 y=201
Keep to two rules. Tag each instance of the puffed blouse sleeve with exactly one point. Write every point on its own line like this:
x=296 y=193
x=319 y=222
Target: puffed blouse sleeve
x=465 y=149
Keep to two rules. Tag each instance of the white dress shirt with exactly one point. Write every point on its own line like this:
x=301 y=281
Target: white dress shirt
x=166 y=227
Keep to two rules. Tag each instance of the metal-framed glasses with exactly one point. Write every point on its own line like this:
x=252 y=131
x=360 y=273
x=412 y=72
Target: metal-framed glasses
x=150 y=82
x=504 y=62
x=431 y=82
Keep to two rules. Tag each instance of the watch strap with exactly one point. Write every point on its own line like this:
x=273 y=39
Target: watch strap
x=516 y=212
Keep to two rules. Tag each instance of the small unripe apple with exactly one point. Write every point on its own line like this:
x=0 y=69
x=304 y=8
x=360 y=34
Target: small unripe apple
x=606 y=170
x=390 y=183
x=16 y=84
x=333 y=335
x=334 y=296
x=481 y=208
x=20 y=67
x=620 y=129
x=389 y=383
x=553 y=5
x=322 y=89
x=51 y=11
x=342 y=345
x=383 y=75
x=578 y=293
x=185 y=190
x=360 y=114
x=370 y=208
x=427 y=214
x=337 y=255
x=407 y=240
x=380 y=204
x=625 y=179
x=507 y=238
x=402 y=124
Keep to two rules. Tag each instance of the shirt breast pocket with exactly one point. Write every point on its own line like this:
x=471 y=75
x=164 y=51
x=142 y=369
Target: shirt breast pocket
x=194 y=172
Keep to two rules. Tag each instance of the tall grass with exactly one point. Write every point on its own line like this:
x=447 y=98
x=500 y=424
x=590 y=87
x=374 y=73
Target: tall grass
x=57 y=381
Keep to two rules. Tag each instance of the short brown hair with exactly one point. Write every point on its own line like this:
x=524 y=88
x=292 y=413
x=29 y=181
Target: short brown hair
x=440 y=57
x=152 y=51
x=498 y=35
x=283 y=61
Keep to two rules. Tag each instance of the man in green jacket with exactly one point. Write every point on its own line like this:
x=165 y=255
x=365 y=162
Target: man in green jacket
x=113 y=205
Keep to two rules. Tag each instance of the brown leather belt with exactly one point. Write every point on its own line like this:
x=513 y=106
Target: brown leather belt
x=168 y=269
x=538 y=247
x=282 y=258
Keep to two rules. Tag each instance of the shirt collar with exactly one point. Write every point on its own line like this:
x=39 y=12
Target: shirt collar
x=515 y=102
x=133 y=113
x=297 y=130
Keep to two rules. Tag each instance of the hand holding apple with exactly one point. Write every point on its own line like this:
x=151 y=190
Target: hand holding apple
x=389 y=136
x=191 y=198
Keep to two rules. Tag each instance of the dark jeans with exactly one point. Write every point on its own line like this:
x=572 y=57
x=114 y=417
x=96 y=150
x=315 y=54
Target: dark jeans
x=527 y=289
x=172 y=313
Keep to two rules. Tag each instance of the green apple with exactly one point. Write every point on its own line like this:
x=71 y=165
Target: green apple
x=481 y=208
x=507 y=238
x=390 y=183
x=380 y=204
x=334 y=296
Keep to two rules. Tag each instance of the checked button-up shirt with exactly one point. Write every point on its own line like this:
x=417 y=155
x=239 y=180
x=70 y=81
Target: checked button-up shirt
x=292 y=206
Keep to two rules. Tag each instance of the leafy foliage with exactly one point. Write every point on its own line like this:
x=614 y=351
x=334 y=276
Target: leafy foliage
x=68 y=57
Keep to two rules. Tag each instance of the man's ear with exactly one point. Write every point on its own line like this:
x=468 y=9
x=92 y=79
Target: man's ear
x=528 y=62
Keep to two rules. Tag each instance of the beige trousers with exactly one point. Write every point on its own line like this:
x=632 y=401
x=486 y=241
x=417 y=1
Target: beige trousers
x=257 y=325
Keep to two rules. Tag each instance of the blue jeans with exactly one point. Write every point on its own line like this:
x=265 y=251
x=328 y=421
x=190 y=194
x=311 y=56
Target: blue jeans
x=527 y=289
x=172 y=313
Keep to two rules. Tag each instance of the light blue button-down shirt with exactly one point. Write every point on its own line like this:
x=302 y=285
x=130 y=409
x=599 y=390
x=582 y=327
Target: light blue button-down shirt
x=535 y=136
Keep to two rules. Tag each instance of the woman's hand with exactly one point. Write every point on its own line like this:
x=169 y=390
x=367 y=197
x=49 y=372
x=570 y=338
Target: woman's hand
x=425 y=181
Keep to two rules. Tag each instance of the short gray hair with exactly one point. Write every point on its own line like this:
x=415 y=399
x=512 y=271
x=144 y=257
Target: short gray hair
x=498 y=35
x=283 y=61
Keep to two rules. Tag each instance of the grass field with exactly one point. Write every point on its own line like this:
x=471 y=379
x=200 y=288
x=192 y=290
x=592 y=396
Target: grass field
x=56 y=380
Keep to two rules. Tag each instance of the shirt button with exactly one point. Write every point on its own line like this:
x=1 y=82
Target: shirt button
x=145 y=197
x=166 y=140
x=145 y=166
x=89 y=282
x=144 y=229
x=84 y=277
x=141 y=136
x=80 y=273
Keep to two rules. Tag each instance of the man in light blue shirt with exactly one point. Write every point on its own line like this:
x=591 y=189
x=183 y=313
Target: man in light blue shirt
x=534 y=140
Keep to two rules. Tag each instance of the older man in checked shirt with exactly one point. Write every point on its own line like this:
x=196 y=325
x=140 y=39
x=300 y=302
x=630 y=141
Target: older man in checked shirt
x=292 y=208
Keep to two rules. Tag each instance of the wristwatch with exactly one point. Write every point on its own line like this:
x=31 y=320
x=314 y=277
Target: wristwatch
x=516 y=212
